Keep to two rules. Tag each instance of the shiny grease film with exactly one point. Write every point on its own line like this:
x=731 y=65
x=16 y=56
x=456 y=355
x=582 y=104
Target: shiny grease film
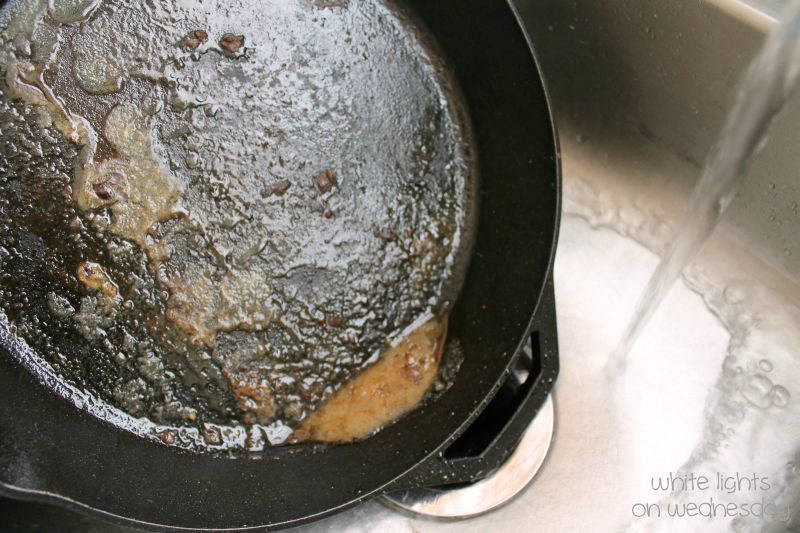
x=214 y=215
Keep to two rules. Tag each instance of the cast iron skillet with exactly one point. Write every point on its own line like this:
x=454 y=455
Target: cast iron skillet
x=50 y=450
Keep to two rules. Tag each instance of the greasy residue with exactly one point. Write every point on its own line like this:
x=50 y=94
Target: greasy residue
x=254 y=200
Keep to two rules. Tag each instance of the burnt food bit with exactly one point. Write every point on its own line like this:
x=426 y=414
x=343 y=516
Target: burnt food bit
x=195 y=39
x=385 y=235
x=231 y=43
x=325 y=181
x=110 y=188
x=94 y=277
x=278 y=188
x=103 y=191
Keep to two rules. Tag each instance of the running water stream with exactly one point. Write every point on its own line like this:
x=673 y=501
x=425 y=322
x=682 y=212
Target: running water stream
x=766 y=86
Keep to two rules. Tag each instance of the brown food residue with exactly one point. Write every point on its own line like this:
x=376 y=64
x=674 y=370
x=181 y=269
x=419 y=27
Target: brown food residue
x=386 y=235
x=103 y=191
x=94 y=277
x=231 y=43
x=110 y=187
x=335 y=320
x=211 y=435
x=195 y=39
x=392 y=386
x=325 y=181
x=168 y=436
x=254 y=394
x=278 y=188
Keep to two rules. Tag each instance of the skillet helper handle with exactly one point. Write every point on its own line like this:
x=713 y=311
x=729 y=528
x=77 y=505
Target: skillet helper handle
x=494 y=434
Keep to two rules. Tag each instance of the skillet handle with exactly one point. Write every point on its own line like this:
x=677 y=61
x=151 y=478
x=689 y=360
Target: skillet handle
x=494 y=434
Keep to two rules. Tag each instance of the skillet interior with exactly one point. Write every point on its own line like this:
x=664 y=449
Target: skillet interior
x=515 y=243
x=257 y=222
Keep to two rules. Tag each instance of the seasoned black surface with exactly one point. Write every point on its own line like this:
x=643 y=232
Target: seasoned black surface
x=28 y=517
x=119 y=473
x=314 y=184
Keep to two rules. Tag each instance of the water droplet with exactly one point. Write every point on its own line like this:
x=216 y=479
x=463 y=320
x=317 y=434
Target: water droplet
x=74 y=11
x=762 y=143
x=757 y=390
x=211 y=110
x=765 y=365
x=192 y=161
x=733 y=294
x=154 y=107
x=780 y=396
x=22 y=45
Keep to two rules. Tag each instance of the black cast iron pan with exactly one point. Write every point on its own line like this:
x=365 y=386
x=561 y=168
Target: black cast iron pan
x=52 y=451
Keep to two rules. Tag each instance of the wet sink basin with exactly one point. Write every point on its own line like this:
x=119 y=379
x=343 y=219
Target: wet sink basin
x=640 y=91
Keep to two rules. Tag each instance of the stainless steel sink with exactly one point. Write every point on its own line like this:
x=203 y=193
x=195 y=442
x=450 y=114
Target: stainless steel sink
x=640 y=90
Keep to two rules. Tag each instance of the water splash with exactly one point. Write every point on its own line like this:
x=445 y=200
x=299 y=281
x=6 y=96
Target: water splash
x=765 y=88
